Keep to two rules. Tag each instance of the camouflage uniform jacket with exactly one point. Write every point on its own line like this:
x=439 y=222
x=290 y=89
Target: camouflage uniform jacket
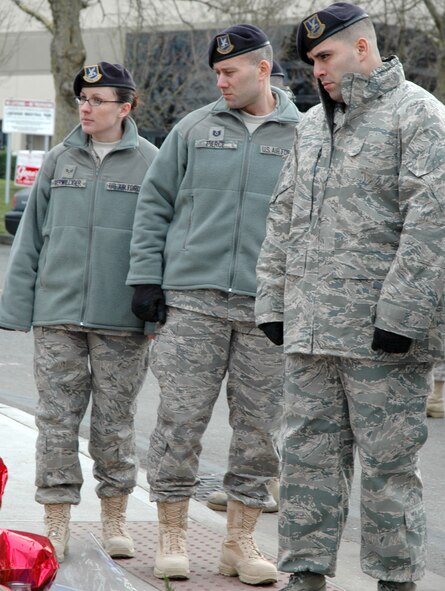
x=70 y=257
x=201 y=214
x=356 y=229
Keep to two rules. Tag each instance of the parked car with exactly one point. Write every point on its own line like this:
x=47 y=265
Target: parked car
x=14 y=215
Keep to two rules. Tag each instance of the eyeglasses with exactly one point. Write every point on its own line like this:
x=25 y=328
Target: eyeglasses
x=94 y=101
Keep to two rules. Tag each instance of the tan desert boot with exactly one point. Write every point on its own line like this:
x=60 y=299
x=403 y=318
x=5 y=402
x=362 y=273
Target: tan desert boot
x=57 y=530
x=115 y=536
x=240 y=555
x=171 y=555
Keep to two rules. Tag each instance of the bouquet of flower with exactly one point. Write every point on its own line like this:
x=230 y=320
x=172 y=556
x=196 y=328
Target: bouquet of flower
x=25 y=557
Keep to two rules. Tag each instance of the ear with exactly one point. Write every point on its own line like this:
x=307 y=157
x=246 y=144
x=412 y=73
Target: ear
x=362 y=47
x=125 y=109
x=264 y=69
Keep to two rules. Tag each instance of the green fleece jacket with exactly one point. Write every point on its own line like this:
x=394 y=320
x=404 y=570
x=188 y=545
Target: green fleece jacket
x=201 y=214
x=70 y=257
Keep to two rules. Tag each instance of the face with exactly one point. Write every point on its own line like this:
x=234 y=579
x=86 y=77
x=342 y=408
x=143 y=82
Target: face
x=239 y=81
x=332 y=59
x=103 y=123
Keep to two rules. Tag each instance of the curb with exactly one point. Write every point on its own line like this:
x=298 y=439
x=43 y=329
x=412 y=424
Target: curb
x=6 y=239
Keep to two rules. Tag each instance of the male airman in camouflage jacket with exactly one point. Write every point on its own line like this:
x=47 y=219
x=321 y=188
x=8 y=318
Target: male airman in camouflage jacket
x=353 y=264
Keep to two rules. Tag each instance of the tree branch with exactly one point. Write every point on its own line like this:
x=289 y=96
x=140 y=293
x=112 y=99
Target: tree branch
x=437 y=18
x=183 y=20
x=210 y=5
x=37 y=15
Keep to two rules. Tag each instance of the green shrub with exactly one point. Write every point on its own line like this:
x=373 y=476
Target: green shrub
x=3 y=165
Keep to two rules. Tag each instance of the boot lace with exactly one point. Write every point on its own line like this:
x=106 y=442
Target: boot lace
x=175 y=515
x=57 y=522
x=249 y=547
x=114 y=521
x=245 y=540
x=174 y=542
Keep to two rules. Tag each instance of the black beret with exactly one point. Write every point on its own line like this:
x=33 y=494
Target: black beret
x=277 y=70
x=234 y=41
x=103 y=74
x=323 y=24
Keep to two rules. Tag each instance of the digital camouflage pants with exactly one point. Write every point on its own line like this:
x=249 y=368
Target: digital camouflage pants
x=190 y=358
x=333 y=406
x=72 y=367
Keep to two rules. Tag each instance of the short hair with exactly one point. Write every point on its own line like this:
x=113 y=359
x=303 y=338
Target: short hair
x=262 y=53
x=362 y=28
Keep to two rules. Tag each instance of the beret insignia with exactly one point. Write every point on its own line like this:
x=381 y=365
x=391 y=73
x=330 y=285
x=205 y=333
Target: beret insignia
x=314 y=27
x=92 y=74
x=224 y=45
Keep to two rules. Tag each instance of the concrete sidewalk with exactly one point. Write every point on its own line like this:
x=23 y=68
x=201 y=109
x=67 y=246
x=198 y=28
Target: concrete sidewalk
x=206 y=529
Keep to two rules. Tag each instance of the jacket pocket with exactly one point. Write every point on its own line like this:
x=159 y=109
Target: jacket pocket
x=355 y=146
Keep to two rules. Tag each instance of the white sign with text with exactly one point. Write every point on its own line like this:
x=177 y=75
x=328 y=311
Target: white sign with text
x=28 y=116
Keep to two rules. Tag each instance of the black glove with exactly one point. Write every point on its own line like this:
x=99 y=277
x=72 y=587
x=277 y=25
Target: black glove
x=273 y=331
x=390 y=342
x=149 y=303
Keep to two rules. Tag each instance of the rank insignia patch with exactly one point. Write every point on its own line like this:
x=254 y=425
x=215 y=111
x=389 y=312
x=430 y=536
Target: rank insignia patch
x=68 y=171
x=216 y=133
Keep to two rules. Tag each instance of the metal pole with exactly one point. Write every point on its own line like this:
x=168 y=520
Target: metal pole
x=8 y=166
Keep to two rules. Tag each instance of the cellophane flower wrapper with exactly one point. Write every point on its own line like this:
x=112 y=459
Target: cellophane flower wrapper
x=28 y=558
x=92 y=570
x=3 y=479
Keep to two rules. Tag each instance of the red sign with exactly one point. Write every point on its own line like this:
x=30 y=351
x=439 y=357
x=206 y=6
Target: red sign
x=27 y=166
x=25 y=175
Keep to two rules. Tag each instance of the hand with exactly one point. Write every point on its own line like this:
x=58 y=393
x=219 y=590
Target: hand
x=390 y=342
x=149 y=303
x=273 y=331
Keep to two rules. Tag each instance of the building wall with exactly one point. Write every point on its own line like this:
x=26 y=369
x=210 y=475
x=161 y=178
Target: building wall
x=26 y=71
